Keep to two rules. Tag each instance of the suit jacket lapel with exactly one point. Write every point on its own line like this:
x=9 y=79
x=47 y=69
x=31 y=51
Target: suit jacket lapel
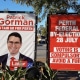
x=20 y=57
x=4 y=60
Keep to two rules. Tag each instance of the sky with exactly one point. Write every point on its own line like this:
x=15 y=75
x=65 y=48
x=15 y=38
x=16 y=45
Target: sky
x=12 y=6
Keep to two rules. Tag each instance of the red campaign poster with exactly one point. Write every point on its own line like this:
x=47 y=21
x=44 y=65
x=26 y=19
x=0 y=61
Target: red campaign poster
x=64 y=41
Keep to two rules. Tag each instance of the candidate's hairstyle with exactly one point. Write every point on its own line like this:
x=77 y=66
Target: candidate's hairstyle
x=16 y=34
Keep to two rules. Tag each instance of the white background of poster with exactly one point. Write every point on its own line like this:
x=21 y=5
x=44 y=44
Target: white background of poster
x=28 y=37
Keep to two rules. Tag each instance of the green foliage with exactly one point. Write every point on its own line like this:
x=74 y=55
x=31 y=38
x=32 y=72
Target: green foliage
x=43 y=30
x=50 y=73
x=19 y=73
x=50 y=6
x=13 y=75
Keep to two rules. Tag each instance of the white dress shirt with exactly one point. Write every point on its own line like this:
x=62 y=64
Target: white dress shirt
x=9 y=57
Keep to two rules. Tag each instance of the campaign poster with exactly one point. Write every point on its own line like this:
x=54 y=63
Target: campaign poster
x=23 y=23
x=64 y=41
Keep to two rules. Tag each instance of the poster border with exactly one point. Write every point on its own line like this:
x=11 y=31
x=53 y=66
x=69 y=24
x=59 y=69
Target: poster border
x=31 y=12
x=48 y=35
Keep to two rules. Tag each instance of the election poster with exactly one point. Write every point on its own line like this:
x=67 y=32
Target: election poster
x=64 y=41
x=22 y=22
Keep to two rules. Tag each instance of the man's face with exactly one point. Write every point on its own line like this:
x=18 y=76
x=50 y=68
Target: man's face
x=14 y=45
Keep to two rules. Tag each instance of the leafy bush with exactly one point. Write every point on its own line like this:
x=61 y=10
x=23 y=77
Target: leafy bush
x=34 y=73
x=13 y=75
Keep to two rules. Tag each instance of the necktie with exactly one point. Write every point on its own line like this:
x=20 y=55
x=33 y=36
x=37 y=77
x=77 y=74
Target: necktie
x=11 y=63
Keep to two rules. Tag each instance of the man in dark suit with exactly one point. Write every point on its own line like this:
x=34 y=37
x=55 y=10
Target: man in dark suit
x=14 y=42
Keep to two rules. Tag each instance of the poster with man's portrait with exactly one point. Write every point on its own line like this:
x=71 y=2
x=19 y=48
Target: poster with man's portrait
x=24 y=24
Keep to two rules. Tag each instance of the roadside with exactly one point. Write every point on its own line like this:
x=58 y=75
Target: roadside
x=41 y=52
